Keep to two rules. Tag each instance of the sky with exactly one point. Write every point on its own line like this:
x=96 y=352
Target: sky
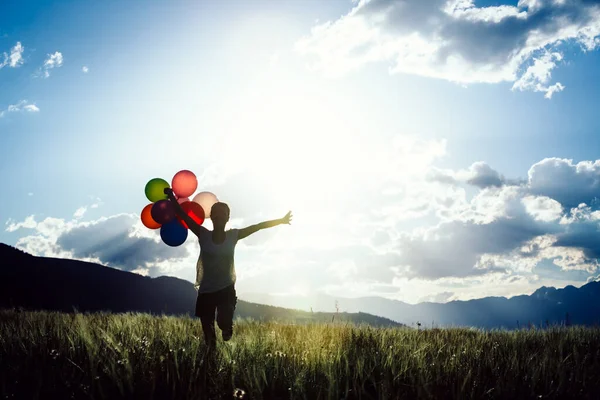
x=429 y=150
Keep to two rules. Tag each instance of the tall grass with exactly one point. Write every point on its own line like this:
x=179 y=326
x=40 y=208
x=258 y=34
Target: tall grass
x=53 y=355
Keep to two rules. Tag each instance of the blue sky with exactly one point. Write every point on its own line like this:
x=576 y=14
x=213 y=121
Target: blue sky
x=419 y=158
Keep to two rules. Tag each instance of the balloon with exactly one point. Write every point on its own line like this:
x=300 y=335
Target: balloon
x=184 y=183
x=206 y=200
x=163 y=211
x=173 y=233
x=155 y=189
x=183 y=200
x=194 y=210
x=147 y=219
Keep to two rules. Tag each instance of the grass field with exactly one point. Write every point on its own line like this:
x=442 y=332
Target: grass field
x=53 y=355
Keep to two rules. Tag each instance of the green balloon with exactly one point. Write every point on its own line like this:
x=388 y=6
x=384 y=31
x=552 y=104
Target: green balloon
x=155 y=189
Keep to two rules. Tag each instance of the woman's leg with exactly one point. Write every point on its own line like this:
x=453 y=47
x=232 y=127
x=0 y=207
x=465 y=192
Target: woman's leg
x=225 y=310
x=205 y=309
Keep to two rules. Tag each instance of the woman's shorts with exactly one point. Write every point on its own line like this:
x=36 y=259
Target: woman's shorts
x=223 y=300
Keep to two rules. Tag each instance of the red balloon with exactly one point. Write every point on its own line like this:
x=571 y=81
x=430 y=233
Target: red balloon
x=195 y=212
x=184 y=183
x=147 y=219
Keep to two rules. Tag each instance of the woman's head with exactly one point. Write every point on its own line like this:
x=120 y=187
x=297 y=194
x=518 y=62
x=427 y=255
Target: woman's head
x=219 y=213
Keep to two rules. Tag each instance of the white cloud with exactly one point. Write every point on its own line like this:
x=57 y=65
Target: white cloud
x=537 y=76
x=479 y=174
x=28 y=223
x=79 y=212
x=568 y=183
x=52 y=61
x=31 y=108
x=21 y=106
x=15 y=58
x=119 y=241
x=85 y=69
x=455 y=40
x=543 y=208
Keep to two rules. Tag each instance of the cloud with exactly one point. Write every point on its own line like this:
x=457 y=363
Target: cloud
x=479 y=174
x=441 y=297
x=456 y=40
x=15 y=58
x=52 y=61
x=412 y=228
x=482 y=175
x=119 y=241
x=85 y=69
x=542 y=208
x=21 y=106
x=510 y=225
x=111 y=241
x=568 y=183
x=495 y=222
x=79 y=212
x=537 y=75
x=28 y=223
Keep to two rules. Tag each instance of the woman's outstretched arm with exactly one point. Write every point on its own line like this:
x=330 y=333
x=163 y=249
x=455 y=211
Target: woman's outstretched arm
x=194 y=227
x=263 y=225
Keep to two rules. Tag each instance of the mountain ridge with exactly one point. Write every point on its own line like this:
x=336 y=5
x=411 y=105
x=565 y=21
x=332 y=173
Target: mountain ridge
x=545 y=306
x=47 y=283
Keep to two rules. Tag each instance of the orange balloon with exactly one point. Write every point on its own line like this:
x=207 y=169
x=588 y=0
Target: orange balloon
x=147 y=219
x=195 y=212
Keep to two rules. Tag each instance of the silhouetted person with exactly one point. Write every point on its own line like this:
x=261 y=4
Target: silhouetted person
x=215 y=270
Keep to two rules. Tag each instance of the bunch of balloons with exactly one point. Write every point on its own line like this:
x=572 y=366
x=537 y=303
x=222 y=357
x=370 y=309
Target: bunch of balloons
x=160 y=213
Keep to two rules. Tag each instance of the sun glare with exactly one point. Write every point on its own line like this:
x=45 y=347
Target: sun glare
x=292 y=137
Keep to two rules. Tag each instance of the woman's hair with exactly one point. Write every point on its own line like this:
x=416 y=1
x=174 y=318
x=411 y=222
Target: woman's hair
x=220 y=204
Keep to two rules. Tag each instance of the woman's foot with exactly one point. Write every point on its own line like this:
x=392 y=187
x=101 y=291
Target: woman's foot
x=227 y=335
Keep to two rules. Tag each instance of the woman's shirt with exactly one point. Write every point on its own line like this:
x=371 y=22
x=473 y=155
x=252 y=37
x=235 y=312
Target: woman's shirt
x=215 y=269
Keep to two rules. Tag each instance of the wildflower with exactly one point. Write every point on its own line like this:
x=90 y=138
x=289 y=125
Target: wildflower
x=269 y=354
x=238 y=393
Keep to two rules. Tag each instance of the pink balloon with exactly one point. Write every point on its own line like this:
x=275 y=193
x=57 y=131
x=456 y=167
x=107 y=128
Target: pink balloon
x=184 y=183
x=206 y=200
x=182 y=200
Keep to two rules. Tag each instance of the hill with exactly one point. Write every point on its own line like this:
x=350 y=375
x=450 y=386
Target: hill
x=546 y=306
x=43 y=283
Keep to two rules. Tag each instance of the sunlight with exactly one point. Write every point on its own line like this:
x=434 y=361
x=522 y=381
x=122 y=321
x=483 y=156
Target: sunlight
x=293 y=138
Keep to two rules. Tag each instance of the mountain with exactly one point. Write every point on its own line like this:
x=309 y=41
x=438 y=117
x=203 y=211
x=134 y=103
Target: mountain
x=43 y=283
x=547 y=305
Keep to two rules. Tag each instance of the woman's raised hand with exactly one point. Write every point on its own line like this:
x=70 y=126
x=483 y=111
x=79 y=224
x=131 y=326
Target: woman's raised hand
x=287 y=219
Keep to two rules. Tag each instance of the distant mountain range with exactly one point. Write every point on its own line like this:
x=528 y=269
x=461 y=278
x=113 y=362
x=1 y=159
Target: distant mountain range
x=42 y=283
x=547 y=305
x=59 y=284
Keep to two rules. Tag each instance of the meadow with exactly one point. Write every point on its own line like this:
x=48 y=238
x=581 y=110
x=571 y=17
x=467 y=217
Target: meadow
x=110 y=356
